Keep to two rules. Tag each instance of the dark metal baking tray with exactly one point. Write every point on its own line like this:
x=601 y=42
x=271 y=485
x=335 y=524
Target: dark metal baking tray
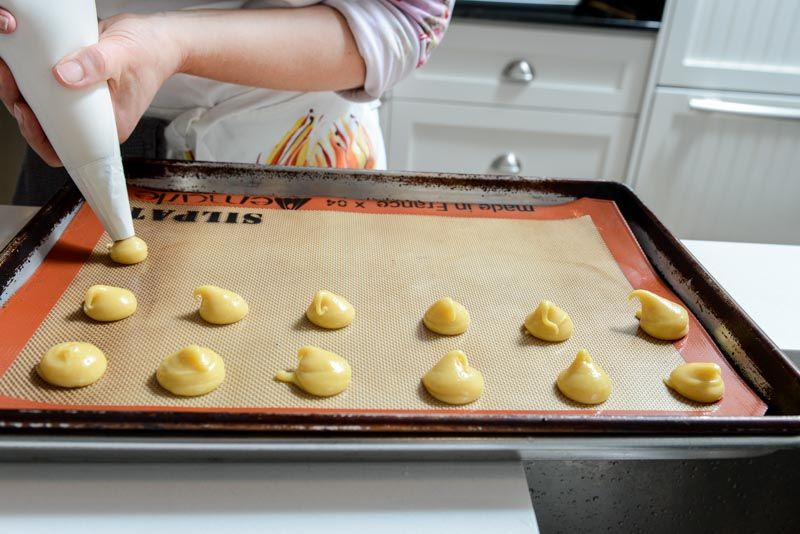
x=753 y=355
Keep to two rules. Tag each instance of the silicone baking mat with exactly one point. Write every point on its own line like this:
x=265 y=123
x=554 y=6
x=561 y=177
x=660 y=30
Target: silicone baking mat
x=391 y=259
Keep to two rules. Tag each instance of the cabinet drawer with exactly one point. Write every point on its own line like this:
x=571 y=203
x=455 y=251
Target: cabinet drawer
x=468 y=139
x=570 y=68
x=719 y=175
x=739 y=45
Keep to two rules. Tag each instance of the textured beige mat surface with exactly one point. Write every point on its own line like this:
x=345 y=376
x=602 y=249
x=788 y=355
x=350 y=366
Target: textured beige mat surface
x=391 y=267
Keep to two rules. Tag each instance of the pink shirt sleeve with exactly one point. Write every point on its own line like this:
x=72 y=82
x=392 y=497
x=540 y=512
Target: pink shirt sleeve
x=393 y=36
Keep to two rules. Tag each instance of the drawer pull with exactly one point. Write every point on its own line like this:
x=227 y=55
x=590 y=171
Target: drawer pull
x=518 y=71
x=740 y=108
x=507 y=163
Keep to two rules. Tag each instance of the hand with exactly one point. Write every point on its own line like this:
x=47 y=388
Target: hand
x=135 y=55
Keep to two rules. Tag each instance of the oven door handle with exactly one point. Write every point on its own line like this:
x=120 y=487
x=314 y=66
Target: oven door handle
x=740 y=108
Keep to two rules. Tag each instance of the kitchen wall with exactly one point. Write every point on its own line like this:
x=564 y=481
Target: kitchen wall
x=12 y=147
x=700 y=118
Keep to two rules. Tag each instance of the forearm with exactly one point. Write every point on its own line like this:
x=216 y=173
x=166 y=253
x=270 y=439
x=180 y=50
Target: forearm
x=300 y=49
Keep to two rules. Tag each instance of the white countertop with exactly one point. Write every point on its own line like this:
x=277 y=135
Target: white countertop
x=396 y=497
x=763 y=279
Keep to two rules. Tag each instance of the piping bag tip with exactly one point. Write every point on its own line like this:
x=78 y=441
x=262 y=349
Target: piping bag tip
x=102 y=184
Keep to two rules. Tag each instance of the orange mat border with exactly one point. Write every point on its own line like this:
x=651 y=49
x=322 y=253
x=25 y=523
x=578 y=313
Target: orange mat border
x=28 y=307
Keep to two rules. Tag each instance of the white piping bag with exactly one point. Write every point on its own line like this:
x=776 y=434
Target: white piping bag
x=78 y=122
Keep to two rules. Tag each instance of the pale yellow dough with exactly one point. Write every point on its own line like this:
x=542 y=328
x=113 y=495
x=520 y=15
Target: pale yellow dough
x=447 y=317
x=549 y=322
x=659 y=317
x=329 y=310
x=191 y=371
x=584 y=381
x=453 y=381
x=128 y=251
x=109 y=303
x=72 y=364
x=220 y=306
x=700 y=382
x=319 y=372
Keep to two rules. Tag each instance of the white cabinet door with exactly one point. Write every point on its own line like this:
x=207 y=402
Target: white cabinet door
x=468 y=139
x=745 y=45
x=535 y=66
x=730 y=175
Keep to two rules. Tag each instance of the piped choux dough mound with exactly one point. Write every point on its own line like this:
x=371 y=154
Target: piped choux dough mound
x=191 y=371
x=700 y=382
x=659 y=317
x=447 y=317
x=319 y=372
x=584 y=381
x=453 y=381
x=72 y=365
x=329 y=310
x=220 y=306
x=109 y=303
x=549 y=322
x=128 y=251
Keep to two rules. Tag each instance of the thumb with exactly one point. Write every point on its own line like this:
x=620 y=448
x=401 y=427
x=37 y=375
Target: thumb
x=88 y=66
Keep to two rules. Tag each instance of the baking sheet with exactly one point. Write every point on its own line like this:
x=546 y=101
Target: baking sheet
x=391 y=259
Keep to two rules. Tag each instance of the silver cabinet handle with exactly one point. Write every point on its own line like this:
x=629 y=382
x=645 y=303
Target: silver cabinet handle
x=507 y=163
x=740 y=108
x=518 y=71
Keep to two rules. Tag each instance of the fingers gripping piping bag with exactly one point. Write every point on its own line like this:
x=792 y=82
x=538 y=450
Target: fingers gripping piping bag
x=79 y=123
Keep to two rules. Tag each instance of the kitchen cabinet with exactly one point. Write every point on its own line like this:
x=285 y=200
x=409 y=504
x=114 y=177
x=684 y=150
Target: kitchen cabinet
x=526 y=99
x=713 y=161
x=531 y=142
x=531 y=65
x=742 y=45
